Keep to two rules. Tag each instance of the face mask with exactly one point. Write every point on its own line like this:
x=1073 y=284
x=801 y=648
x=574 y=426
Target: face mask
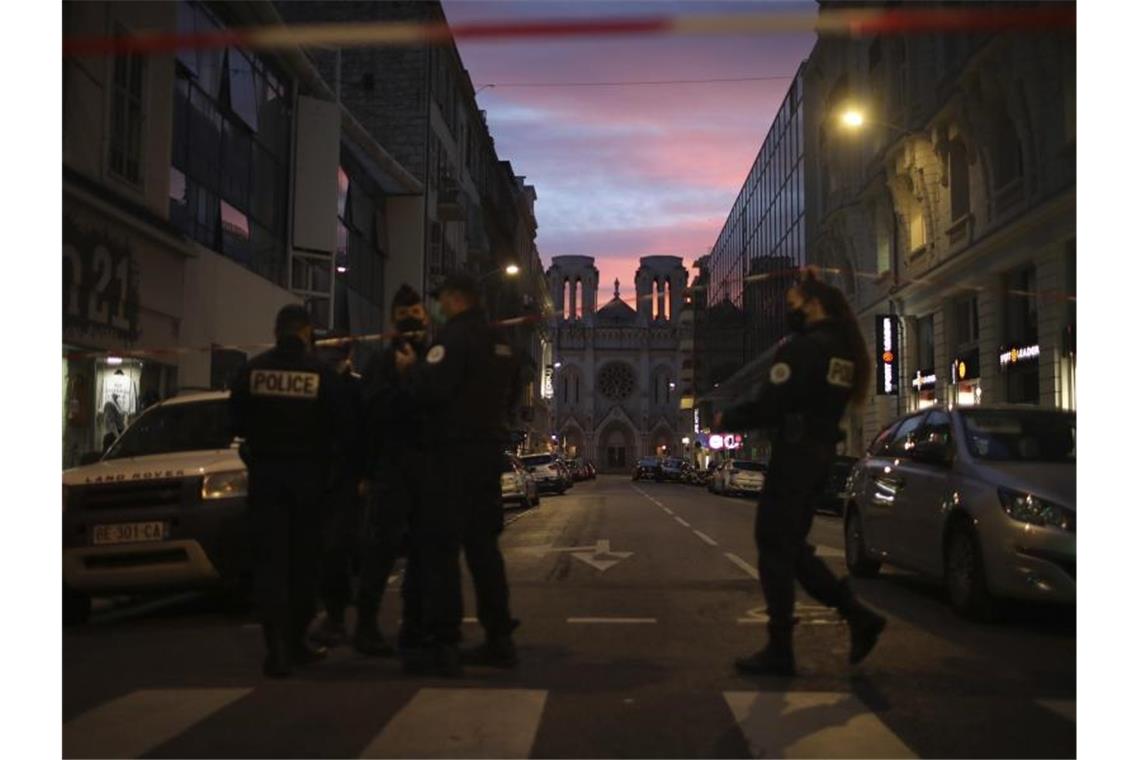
x=412 y=325
x=796 y=320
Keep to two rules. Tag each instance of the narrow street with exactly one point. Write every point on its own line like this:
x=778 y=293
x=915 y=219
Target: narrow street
x=635 y=598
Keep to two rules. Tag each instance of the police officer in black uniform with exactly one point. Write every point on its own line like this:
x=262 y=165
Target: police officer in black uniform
x=342 y=509
x=468 y=382
x=284 y=403
x=397 y=473
x=815 y=372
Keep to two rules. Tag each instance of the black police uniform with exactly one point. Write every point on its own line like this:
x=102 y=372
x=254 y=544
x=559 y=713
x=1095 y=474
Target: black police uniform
x=284 y=403
x=467 y=381
x=806 y=391
x=342 y=512
x=399 y=469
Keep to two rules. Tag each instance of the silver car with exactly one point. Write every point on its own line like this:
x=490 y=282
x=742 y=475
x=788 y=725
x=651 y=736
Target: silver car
x=983 y=498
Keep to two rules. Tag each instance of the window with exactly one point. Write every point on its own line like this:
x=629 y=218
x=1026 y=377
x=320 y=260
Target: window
x=936 y=429
x=1006 y=155
x=926 y=343
x=883 y=227
x=966 y=321
x=959 y=181
x=916 y=227
x=879 y=445
x=127 y=117
x=229 y=152
x=905 y=436
x=1021 y=307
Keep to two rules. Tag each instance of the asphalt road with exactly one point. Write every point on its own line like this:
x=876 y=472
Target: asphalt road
x=635 y=598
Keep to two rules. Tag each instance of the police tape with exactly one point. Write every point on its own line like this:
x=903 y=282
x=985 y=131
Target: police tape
x=350 y=340
x=845 y=21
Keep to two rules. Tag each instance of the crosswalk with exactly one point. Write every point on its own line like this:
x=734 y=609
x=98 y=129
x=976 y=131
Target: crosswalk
x=467 y=722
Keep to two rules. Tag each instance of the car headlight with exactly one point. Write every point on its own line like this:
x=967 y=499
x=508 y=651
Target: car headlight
x=1034 y=510
x=225 y=485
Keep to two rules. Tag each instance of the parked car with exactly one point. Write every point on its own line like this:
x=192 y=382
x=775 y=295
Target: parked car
x=564 y=468
x=836 y=488
x=672 y=469
x=591 y=470
x=578 y=469
x=647 y=467
x=547 y=471
x=982 y=498
x=518 y=486
x=163 y=509
x=737 y=476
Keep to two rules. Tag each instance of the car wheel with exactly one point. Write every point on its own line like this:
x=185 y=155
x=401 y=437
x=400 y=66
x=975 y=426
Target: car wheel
x=965 y=575
x=859 y=563
x=76 y=607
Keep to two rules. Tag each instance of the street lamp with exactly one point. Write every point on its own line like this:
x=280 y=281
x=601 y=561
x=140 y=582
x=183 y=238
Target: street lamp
x=512 y=270
x=557 y=365
x=852 y=118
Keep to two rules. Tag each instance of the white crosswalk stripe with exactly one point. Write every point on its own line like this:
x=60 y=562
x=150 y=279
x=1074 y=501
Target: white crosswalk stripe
x=812 y=724
x=463 y=723
x=140 y=721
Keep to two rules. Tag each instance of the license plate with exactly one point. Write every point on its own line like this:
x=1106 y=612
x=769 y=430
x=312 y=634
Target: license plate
x=129 y=533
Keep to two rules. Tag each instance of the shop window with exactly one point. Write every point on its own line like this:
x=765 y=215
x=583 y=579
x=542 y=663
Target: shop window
x=126 y=144
x=966 y=321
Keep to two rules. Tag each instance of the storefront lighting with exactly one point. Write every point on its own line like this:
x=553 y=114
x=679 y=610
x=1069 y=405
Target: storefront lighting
x=1019 y=354
x=114 y=361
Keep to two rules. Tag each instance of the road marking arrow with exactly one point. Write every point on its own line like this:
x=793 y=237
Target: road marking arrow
x=599 y=556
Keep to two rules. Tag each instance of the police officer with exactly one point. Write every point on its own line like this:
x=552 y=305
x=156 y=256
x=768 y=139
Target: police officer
x=815 y=372
x=468 y=381
x=342 y=510
x=398 y=470
x=284 y=404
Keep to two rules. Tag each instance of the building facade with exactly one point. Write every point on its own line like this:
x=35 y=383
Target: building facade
x=202 y=192
x=949 y=218
x=616 y=368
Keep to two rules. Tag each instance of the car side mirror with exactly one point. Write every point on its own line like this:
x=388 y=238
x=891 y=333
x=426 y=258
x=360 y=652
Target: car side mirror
x=931 y=452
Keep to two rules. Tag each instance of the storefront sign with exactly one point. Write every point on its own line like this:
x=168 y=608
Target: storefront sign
x=965 y=367
x=1016 y=354
x=548 y=382
x=924 y=380
x=887 y=359
x=100 y=283
x=696 y=420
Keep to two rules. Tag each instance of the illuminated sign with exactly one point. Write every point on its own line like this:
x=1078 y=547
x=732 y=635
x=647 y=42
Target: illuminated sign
x=887 y=359
x=696 y=420
x=733 y=441
x=964 y=367
x=548 y=382
x=924 y=380
x=1017 y=354
x=716 y=442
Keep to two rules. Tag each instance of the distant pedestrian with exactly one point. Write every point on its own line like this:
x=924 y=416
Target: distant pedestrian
x=285 y=404
x=815 y=373
x=468 y=381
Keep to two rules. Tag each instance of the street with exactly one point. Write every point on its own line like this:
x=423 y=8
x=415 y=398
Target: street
x=635 y=597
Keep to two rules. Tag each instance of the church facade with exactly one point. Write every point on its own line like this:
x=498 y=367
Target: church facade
x=616 y=368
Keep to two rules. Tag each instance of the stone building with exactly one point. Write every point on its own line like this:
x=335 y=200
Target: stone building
x=950 y=215
x=615 y=386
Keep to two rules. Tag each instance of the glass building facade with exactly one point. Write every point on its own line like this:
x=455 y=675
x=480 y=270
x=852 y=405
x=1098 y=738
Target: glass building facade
x=763 y=241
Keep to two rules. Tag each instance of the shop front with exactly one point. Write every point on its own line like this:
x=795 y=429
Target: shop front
x=965 y=386
x=122 y=289
x=1020 y=365
x=923 y=389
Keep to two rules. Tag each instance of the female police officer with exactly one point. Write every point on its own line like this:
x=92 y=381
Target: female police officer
x=816 y=371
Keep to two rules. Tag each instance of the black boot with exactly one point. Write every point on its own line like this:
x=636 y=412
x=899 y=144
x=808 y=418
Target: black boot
x=775 y=659
x=865 y=624
x=277 y=661
x=368 y=639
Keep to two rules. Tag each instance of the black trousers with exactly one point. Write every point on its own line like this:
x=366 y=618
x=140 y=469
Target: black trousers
x=342 y=528
x=784 y=515
x=391 y=514
x=285 y=502
x=464 y=511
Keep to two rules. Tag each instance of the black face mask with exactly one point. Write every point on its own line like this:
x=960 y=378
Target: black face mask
x=796 y=320
x=411 y=325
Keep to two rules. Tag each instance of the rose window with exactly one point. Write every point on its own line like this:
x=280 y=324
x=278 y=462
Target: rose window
x=616 y=381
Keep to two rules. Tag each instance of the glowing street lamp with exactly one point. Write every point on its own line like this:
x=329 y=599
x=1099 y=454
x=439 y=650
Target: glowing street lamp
x=852 y=118
x=512 y=270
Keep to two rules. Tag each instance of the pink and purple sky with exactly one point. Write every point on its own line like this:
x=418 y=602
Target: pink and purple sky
x=628 y=171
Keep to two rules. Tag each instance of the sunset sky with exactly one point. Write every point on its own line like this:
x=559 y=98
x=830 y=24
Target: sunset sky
x=629 y=171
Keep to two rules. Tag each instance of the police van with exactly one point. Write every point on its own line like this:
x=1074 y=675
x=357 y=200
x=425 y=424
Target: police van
x=163 y=509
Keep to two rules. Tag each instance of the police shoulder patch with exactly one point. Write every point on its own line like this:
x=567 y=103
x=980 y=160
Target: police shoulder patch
x=436 y=354
x=780 y=373
x=841 y=372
